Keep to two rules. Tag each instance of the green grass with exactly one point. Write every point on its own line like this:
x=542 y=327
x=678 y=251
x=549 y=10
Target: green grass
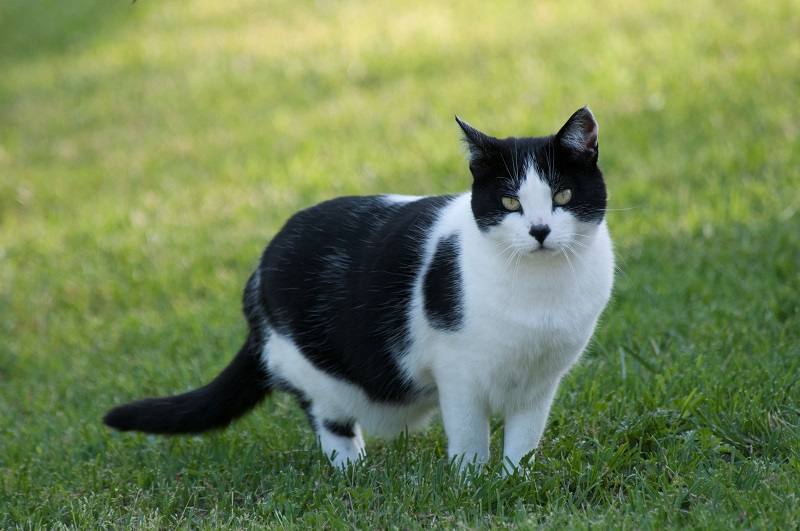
x=149 y=151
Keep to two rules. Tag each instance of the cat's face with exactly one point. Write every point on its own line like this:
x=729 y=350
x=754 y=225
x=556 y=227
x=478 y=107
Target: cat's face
x=538 y=196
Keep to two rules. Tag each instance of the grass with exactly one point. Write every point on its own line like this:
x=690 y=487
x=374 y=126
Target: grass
x=149 y=151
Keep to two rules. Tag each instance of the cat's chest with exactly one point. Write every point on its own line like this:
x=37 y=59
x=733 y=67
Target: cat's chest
x=523 y=323
x=526 y=321
x=518 y=340
x=531 y=321
x=540 y=299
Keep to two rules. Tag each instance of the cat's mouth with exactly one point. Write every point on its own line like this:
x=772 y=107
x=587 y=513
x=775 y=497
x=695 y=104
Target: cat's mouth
x=541 y=249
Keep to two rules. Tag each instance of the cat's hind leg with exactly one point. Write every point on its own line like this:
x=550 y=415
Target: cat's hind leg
x=341 y=441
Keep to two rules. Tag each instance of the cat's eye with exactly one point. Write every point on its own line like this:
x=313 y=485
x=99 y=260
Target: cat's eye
x=562 y=197
x=511 y=203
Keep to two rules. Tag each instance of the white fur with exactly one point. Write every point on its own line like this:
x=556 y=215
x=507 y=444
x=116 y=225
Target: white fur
x=400 y=198
x=342 y=450
x=529 y=311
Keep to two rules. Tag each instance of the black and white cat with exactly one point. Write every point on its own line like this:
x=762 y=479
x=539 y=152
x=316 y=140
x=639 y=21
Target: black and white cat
x=377 y=311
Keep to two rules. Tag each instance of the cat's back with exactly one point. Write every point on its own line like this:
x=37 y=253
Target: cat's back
x=338 y=280
x=384 y=228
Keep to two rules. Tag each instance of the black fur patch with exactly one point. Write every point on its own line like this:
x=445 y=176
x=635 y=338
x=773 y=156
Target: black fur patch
x=442 y=287
x=338 y=279
x=342 y=429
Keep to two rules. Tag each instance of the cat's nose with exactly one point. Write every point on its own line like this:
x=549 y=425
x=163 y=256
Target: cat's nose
x=540 y=232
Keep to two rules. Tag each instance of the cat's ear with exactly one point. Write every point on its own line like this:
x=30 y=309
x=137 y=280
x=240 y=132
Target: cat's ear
x=579 y=135
x=481 y=146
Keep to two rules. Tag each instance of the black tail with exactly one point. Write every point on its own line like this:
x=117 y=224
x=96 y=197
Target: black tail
x=237 y=390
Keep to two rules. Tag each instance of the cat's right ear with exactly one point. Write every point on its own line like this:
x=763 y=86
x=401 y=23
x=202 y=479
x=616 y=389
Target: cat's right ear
x=479 y=145
x=579 y=135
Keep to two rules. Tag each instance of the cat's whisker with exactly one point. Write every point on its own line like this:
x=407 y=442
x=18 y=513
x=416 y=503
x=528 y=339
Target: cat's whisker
x=624 y=274
x=516 y=270
x=569 y=263
x=572 y=241
x=509 y=247
x=515 y=161
x=621 y=258
x=577 y=255
x=573 y=235
x=557 y=181
x=508 y=261
x=619 y=268
x=579 y=243
x=621 y=245
x=620 y=209
x=518 y=258
x=510 y=173
x=506 y=265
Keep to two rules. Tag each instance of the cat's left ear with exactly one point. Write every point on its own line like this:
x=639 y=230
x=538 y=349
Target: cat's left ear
x=579 y=135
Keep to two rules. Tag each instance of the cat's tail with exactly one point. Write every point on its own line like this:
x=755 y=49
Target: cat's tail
x=237 y=389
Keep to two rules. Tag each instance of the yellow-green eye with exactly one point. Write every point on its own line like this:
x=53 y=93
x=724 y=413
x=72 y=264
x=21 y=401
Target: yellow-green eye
x=511 y=203
x=562 y=197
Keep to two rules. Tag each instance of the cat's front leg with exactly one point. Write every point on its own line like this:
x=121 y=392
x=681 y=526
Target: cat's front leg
x=466 y=424
x=524 y=428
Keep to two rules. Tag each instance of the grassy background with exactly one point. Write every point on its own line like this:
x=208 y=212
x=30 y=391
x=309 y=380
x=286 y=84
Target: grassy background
x=149 y=151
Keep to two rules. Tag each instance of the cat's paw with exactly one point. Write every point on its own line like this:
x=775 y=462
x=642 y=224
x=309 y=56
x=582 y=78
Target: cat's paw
x=523 y=468
x=344 y=460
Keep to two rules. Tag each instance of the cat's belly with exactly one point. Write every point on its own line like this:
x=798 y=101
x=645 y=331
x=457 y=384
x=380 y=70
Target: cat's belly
x=505 y=367
x=338 y=399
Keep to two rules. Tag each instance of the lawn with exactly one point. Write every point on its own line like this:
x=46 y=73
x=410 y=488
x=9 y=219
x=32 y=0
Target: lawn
x=148 y=152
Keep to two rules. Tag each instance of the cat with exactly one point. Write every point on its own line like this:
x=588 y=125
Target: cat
x=375 y=312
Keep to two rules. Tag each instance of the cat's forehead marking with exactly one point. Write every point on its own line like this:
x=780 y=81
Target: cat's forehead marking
x=532 y=172
x=534 y=193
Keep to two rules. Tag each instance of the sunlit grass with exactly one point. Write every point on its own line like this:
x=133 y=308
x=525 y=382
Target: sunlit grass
x=148 y=151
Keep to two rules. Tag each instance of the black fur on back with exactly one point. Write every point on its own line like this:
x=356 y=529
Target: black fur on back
x=342 y=289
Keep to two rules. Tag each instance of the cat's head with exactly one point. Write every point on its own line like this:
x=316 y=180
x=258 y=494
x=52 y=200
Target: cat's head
x=538 y=195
